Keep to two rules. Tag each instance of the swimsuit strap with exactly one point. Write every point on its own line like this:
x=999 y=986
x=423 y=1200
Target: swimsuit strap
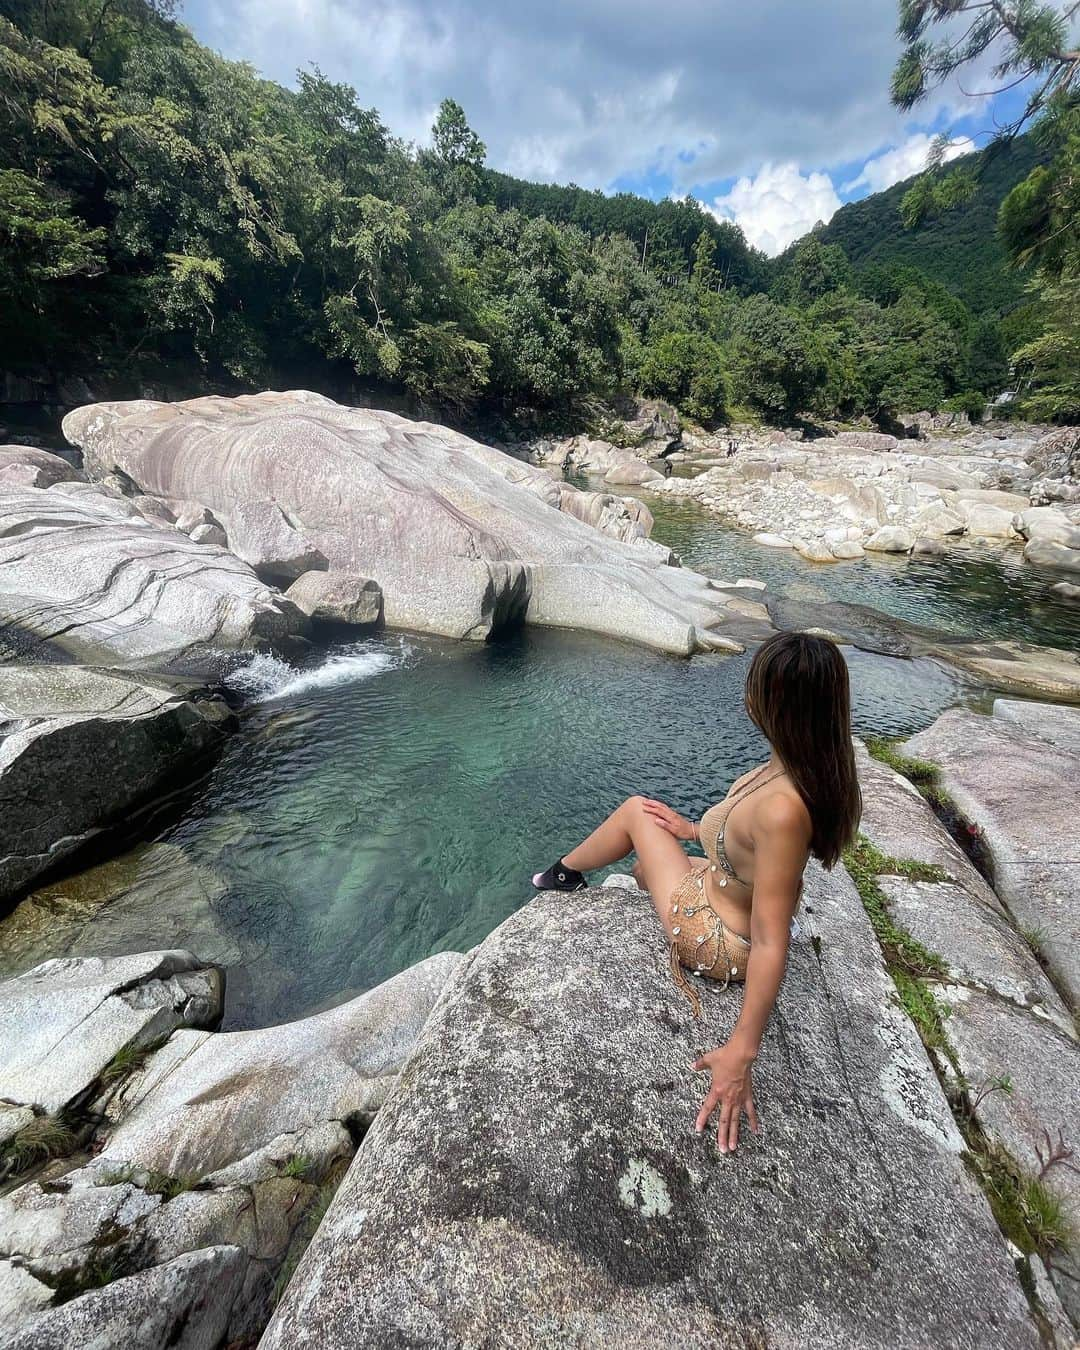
x=754 y=782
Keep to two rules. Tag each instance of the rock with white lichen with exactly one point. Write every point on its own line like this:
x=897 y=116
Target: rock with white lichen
x=534 y=1178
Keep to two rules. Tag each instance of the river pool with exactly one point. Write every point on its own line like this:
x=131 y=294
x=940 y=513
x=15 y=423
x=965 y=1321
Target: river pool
x=392 y=801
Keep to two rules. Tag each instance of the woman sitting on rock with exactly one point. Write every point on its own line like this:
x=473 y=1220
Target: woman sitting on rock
x=729 y=916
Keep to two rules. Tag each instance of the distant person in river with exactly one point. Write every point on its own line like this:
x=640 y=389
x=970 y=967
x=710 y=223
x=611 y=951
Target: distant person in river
x=728 y=916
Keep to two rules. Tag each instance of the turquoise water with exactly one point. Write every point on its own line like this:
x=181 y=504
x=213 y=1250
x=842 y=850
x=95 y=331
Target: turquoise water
x=988 y=592
x=393 y=801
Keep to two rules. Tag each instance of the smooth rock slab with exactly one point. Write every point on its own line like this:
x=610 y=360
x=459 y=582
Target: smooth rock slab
x=1024 y=794
x=62 y=1022
x=206 y=1100
x=84 y=576
x=535 y=1180
x=95 y=746
x=462 y=538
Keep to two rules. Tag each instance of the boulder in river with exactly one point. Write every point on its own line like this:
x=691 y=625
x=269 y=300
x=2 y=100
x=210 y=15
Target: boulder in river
x=98 y=746
x=337 y=598
x=891 y=539
x=1047 y=553
x=84 y=576
x=534 y=1178
x=634 y=472
x=461 y=537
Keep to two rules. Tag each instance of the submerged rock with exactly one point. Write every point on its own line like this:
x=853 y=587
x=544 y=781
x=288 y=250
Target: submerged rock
x=535 y=1180
x=462 y=538
x=97 y=746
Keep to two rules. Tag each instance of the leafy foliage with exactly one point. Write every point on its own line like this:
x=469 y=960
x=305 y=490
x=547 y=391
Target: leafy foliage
x=165 y=210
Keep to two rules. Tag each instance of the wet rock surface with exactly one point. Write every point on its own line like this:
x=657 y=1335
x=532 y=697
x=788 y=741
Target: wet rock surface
x=534 y=1178
x=60 y=726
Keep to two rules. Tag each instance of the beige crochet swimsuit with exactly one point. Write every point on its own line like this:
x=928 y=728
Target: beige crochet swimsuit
x=700 y=940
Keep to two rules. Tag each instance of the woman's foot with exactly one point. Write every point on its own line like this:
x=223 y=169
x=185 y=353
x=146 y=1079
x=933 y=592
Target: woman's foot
x=559 y=877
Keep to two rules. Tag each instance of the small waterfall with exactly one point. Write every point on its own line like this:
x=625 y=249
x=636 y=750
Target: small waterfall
x=267 y=678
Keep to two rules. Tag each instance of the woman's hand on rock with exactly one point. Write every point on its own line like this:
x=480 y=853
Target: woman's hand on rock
x=731 y=1091
x=668 y=819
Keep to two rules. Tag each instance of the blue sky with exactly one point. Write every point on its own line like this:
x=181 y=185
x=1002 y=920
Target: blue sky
x=771 y=112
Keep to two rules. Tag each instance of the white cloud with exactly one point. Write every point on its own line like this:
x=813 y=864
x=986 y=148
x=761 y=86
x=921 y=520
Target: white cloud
x=594 y=90
x=893 y=166
x=779 y=205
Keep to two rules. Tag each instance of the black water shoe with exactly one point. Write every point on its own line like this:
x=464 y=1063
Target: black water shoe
x=560 y=878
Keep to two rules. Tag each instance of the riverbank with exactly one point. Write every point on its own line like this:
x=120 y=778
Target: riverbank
x=506 y=1174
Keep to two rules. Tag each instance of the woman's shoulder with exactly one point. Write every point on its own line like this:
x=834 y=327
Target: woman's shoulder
x=782 y=811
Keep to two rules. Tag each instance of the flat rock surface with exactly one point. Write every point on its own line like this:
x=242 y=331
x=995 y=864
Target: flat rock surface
x=59 y=725
x=461 y=537
x=1023 y=792
x=62 y=1022
x=85 y=576
x=206 y=1100
x=534 y=1179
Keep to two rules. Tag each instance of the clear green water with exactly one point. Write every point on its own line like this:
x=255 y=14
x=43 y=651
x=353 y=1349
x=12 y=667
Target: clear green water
x=394 y=801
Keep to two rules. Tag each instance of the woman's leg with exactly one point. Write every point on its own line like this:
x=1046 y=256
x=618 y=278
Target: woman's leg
x=662 y=863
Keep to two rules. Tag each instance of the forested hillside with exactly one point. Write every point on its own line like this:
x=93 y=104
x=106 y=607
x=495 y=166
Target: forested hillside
x=960 y=248
x=170 y=216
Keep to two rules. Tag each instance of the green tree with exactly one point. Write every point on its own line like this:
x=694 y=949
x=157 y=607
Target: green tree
x=776 y=361
x=688 y=370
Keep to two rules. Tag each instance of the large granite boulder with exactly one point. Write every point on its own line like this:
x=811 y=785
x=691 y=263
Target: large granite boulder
x=535 y=1180
x=462 y=538
x=1016 y=777
x=207 y=1100
x=85 y=576
x=65 y=1021
x=259 y=534
x=97 y=746
x=26 y=466
x=337 y=598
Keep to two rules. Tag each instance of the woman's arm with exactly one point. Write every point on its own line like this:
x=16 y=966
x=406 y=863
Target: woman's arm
x=781 y=833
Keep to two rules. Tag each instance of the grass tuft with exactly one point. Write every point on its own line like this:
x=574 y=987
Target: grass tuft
x=920 y=771
x=299 y=1166
x=128 y=1060
x=44 y=1138
x=1029 y=1213
x=903 y=953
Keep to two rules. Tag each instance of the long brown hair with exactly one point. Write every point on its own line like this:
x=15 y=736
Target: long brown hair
x=799 y=696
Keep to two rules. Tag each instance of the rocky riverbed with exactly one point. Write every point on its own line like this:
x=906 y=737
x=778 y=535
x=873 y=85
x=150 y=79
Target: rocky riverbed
x=834 y=498
x=512 y=1124
x=531 y=1176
